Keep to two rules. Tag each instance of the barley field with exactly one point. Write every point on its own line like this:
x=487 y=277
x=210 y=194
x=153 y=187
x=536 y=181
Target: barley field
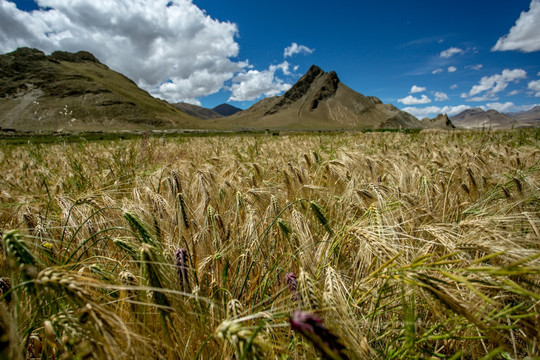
x=308 y=246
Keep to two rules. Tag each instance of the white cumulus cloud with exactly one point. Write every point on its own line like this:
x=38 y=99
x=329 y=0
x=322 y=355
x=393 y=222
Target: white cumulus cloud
x=440 y=96
x=437 y=71
x=417 y=89
x=431 y=111
x=500 y=107
x=448 y=53
x=252 y=84
x=297 y=49
x=525 y=34
x=452 y=69
x=454 y=86
x=490 y=85
x=171 y=48
x=411 y=100
x=535 y=86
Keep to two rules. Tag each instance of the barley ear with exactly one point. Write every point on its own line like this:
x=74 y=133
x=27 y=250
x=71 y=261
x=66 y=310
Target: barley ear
x=153 y=273
x=18 y=250
x=247 y=344
x=284 y=227
x=181 y=204
x=318 y=211
x=138 y=227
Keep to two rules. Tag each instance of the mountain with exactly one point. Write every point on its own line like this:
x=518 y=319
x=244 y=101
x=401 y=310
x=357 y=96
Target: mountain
x=319 y=100
x=74 y=91
x=226 y=109
x=530 y=117
x=205 y=113
x=440 y=122
x=197 y=111
x=477 y=118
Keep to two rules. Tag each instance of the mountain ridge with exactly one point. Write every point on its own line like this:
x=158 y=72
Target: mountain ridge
x=204 y=113
x=531 y=116
x=197 y=111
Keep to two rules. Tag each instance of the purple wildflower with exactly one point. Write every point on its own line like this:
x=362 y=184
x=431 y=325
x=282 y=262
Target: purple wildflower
x=312 y=327
x=291 y=280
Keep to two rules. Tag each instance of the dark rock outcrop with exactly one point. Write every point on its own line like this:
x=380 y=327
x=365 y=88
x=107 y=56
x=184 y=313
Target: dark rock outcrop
x=327 y=90
x=298 y=90
x=74 y=57
x=439 y=122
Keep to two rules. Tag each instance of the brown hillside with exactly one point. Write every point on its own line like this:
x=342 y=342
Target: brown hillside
x=75 y=92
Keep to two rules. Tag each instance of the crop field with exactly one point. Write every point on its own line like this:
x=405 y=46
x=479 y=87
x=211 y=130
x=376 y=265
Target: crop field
x=332 y=246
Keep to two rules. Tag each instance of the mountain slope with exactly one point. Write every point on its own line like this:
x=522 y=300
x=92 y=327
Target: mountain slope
x=478 y=118
x=197 y=111
x=66 y=91
x=530 y=117
x=319 y=100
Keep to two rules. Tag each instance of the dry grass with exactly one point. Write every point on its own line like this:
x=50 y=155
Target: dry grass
x=405 y=245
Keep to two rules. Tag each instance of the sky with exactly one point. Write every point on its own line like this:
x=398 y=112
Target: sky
x=425 y=57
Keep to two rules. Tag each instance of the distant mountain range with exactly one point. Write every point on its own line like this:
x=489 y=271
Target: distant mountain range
x=478 y=118
x=205 y=113
x=75 y=92
x=531 y=117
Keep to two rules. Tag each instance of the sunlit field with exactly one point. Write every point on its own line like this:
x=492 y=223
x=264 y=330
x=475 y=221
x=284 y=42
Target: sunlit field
x=335 y=246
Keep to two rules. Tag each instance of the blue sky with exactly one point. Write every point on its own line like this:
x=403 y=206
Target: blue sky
x=425 y=57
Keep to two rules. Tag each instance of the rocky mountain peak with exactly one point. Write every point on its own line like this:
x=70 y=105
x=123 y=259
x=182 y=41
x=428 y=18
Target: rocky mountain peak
x=328 y=89
x=442 y=117
x=313 y=71
x=80 y=56
x=439 y=122
x=315 y=82
x=28 y=54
